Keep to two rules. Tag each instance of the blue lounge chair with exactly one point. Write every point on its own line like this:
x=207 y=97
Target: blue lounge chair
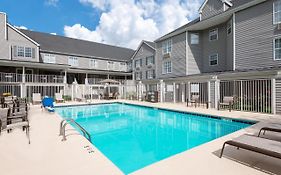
x=48 y=103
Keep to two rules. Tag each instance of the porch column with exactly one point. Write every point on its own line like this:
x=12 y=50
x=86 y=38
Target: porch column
x=22 y=85
x=65 y=77
x=86 y=79
x=209 y=92
x=140 y=90
x=99 y=93
x=182 y=92
x=188 y=91
x=174 y=92
x=217 y=92
x=23 y=74
x=273 y=98
x=161 y=90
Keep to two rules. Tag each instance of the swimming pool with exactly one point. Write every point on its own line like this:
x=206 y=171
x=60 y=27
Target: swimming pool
x=133 y=137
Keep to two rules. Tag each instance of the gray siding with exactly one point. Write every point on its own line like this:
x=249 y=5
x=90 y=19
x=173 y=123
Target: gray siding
x=229 y=48
x=254 y=37
x=178 y=57
x=194 y=51
x=143 y=52
x=14 y=39
x=213 y=7
x=278 y=96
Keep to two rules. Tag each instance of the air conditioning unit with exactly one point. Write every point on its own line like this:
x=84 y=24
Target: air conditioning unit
x=279 y=26
x=167 y=55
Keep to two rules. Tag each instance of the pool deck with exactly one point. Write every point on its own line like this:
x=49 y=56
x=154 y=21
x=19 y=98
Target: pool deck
x=47 y=154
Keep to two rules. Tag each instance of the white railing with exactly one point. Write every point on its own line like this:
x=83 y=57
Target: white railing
x=33 y=78
x=250 y=95
x=10 y=77
x=97 y=80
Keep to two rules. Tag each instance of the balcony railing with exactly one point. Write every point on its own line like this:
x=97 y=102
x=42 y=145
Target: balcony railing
x=33 y=78
x=10 y=77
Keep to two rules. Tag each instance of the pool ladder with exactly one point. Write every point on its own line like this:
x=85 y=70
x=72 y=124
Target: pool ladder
x=63 y=124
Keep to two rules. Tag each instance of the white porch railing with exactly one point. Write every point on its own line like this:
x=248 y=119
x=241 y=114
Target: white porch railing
x=97 y=80
x=10 y=77
x=33 y=78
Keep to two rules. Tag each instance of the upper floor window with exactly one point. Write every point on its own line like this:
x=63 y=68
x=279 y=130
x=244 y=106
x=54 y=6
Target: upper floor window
x=123 y=67
x=20 y=51
x=150 y=74
x=138 y=75
x=194 y=38
x=93 y=63
x=277 y=49
x=213 y=34
x=167 y=67
x=138 y=63
x=150 y=60
x=110 y=65
x=277 y=12
x=28 y=52
x=229 y=28
x=73 y=61
x=167 y=46
x=213 y=59
x=49 y=58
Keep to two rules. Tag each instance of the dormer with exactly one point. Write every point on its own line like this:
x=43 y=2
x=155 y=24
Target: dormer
x=213 y=7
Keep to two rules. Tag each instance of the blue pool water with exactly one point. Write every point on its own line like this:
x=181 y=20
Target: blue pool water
x=133 y=137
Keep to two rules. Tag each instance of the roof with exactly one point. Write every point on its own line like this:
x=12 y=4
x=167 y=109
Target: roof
x=150 y=44
x=65 y=45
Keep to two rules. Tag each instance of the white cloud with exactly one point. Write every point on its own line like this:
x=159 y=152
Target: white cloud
x=21 y=27
x=127 y=22
x=53 y=33
x=51 y=2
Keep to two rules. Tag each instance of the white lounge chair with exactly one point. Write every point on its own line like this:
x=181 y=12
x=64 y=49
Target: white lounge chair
x=36 y=98
x=58 y=97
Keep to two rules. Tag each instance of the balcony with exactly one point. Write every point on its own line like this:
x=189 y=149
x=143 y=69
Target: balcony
x=33 y=78
x=10 y=77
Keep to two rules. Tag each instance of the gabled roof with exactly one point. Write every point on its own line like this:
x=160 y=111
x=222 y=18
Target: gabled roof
x=148 y=43
x=206 y=1
x=65 y=45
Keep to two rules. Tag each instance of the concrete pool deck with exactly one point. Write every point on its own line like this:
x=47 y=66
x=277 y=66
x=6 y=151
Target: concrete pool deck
x=47 y=154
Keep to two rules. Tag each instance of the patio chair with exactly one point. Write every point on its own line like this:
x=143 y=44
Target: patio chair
x=228 y=101
x=260 y=145
x=194 y=100
x=4 y=125
x=18 y=112
x=9 y=101
x=48 y=103
x=272 y=127
x=36 y=98
x=58 y=97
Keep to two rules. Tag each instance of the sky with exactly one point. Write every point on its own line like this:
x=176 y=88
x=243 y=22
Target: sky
x=122 y=23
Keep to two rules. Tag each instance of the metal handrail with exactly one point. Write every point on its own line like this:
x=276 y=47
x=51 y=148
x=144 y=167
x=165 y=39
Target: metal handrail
x=68 y=121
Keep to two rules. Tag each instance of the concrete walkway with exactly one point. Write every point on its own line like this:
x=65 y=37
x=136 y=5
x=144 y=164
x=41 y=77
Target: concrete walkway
x=47 y=154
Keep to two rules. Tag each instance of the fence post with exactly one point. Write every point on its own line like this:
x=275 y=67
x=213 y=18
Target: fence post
x=241 y=95
x=209 y=93
x=217 y=92
x=273 y=96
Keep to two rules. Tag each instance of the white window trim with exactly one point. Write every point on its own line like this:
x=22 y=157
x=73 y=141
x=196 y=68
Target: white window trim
x=163 y=68
x=217 y=30
x=96 y=63
x=49 y=55
x=217 y=59
x=152 y=74
x=139 y=65
x=274 y=55
x=273 y=14
x=191 y=39
x=150 y=57
x=73 y=58
x=110 y=63
x=166 y=41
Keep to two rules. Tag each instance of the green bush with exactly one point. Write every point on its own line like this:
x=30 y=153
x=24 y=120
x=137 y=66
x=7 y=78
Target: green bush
x=66 y=97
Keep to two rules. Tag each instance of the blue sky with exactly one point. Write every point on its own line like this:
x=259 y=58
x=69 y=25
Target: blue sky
x=117 y=22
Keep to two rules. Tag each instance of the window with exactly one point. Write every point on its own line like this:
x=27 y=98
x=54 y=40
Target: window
x=28 y=52
x=49 y=58
x=277 y=12
x=167 y=46
x=20 y=51
x=213 y=34
x=194 y=38
x=123 y=67
x=138 y=63
x=110 y=65
x=73 y=61
x=150 y=74
x=150 y=60
x=167 y=67
x=213 y=59
x=138 y=75
x=93 y=63
x=229 y=28
x=277 y=49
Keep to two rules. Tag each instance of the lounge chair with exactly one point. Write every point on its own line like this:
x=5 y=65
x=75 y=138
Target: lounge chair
x=260 y=145
x=273 y=127
x=4 y=114
x=36 y=98
x=58 y=97
x=228 y=101
x=48 y=103
x=194 y=100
